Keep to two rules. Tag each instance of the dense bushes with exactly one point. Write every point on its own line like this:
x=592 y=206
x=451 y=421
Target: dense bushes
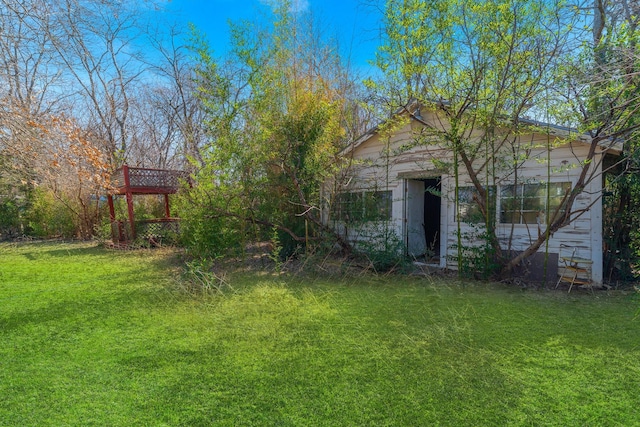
x=203 y=230
x=38 y=213
x=11 y=211
x=50 y=217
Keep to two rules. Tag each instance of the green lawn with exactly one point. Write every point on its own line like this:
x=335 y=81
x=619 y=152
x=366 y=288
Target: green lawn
x=96 y=337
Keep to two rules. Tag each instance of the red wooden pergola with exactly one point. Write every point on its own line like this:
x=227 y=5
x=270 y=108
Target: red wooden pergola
x=130 y=181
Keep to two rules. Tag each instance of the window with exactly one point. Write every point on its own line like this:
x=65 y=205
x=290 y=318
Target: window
x=527 y=203
x=468 y=209
x=347 y=206
x=362 y=206
x=377 y=205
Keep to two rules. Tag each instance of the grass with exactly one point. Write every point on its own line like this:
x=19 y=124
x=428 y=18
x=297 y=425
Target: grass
x=96 y=337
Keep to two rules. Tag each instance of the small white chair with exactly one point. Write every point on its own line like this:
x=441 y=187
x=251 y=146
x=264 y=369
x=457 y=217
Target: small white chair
x=575 y=270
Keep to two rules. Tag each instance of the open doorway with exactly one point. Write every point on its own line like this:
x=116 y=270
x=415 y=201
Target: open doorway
x=423 y=204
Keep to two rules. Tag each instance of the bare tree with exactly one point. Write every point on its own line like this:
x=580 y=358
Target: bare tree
x=95 y=43
x=176 y=96
x=27 y=77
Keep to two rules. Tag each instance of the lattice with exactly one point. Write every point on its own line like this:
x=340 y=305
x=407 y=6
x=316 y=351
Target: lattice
x=118 y=178
x=154 y=229
x=162 y=179
x=156 y=178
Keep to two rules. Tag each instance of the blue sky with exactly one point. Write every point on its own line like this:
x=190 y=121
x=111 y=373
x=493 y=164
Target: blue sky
x=354 y=23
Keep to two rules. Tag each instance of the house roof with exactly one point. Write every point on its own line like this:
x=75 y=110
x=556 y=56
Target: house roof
x=413 y=106
x=374 y=130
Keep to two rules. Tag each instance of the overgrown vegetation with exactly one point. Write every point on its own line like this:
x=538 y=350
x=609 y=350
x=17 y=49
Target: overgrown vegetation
x=277 y=114
x=262 y=130
x=96 y=337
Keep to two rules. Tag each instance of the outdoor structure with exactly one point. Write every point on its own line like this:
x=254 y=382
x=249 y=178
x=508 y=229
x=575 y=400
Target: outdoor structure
x=396 y=185
x=128 y=181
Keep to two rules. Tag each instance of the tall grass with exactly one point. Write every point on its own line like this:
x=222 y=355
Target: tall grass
x=93 y=337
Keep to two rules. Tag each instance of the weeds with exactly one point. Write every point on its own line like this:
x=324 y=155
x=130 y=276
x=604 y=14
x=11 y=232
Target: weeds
x=198 y=277
x=275 y=254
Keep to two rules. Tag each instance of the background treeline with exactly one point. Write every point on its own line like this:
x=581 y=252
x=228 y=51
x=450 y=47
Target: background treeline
x=87 y=86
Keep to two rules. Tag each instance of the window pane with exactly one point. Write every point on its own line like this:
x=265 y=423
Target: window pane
x=532 y=204
x=559 y=189
x=509 y=204
x=508 y=217
x=530 y=217
x=347 y=207
x=533 y=190
x=468 y=208
x=557 y=193
x=377 y=205
x=527 y=203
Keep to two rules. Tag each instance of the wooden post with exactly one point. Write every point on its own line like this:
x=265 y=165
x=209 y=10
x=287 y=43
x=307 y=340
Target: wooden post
x=112 y=220
x=131 y=216
x=129 y=195
x=167 y=212
x=112 y=211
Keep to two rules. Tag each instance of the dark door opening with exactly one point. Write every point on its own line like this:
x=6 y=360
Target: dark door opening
x=422 y=221
x=432 y=205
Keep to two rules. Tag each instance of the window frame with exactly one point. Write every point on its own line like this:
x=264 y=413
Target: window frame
x=367 y=205
x=475 y=216
x=530 y=201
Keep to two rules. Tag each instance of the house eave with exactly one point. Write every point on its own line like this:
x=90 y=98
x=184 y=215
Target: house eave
x=607 y=146
x=410 y=108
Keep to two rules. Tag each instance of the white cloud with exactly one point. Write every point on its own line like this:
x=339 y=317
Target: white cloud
x=297 y=6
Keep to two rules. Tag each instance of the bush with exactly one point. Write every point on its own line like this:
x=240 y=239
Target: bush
x=10 y=221
x=49 y=217
x=384 y=249
x=203 y=234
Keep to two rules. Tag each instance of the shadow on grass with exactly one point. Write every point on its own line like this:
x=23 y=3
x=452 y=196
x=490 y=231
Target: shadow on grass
x=76 y=308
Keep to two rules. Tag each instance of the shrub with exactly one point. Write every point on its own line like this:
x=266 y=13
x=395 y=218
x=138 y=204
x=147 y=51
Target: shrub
x=203 y=233
x=49 y=217
x=384 y=249
x=10 y=221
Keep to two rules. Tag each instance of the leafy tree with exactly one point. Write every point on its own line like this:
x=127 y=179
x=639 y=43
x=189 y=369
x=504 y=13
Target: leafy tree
x=275 y=115
x=482 y=67
x=615 y=58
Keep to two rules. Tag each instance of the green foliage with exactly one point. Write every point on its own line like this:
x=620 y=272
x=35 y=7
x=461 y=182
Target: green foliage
x=204 y=228
x=10 y=216
x=621 y=225
x=612 y=104
x=15 y=200
x=490 y=56
x=275 y=254
x=39 y=213
x=379 y=245
x=385 y=250
x=49 y=217
x=273 y=117
x=476 y=258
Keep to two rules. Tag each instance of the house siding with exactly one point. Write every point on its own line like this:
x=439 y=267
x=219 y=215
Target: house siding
x=374 y=169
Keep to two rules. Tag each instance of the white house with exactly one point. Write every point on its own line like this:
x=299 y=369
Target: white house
x=408 y=188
